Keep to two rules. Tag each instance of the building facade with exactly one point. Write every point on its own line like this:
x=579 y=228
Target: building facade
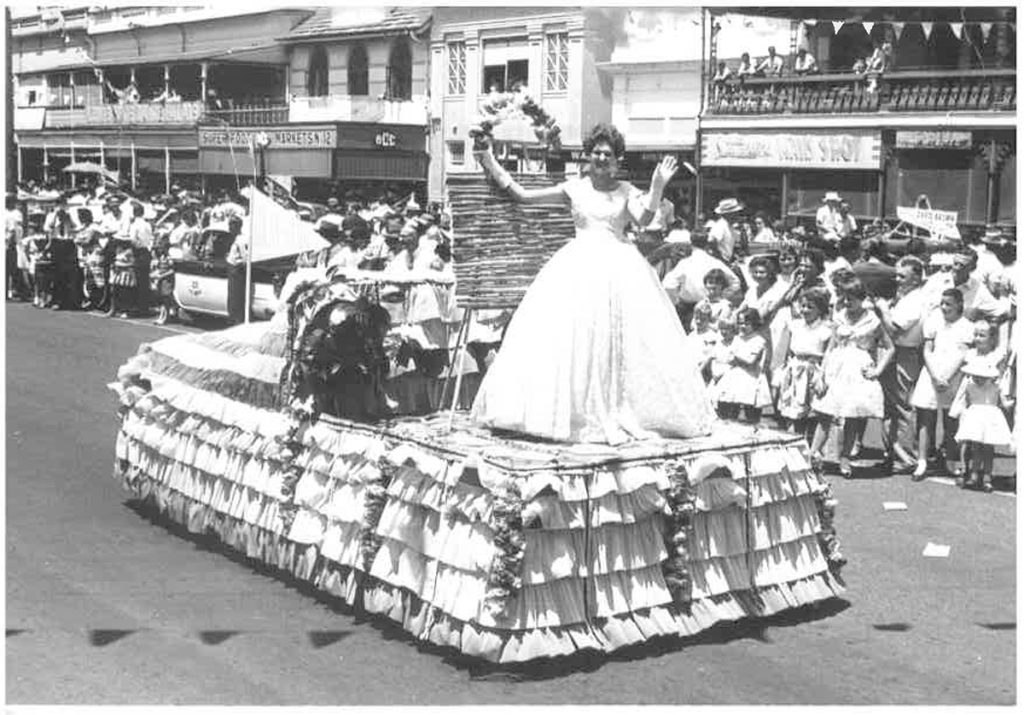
x=125 y=88
x=937 y=121
x=553 y=52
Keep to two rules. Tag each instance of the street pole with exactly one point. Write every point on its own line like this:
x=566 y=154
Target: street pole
x=12 y=170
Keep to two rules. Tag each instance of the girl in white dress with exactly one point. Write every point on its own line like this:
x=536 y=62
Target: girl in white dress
x=858 y=352
x=595 y=351
x=804 y=342
x=744 y=384
x=947 y=337
x=706 y=335
x=983 y=425
x=715 y=283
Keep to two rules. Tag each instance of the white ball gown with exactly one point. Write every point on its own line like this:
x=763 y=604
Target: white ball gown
x=595 y=351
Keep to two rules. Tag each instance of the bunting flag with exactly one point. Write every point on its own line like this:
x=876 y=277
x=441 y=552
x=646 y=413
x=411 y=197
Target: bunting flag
x=278 y=232
x=926 y=27
x=986 y=28
x=897 y=29
x=868 y=26
x=837 y=25
x=957 y=28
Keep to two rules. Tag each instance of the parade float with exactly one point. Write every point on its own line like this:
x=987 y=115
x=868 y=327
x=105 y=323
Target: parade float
x=313 y=444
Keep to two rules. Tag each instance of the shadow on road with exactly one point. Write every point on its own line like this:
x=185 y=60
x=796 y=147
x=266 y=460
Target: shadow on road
x=543 y=669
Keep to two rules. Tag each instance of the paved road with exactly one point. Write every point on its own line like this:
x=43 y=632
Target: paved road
x=105 y=607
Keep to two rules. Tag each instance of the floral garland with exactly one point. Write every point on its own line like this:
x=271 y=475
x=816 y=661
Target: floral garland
x=505 y=577
x=680 y=507
x=500 y=106
x=374 y=500
x=827 y=538
x=300 y=413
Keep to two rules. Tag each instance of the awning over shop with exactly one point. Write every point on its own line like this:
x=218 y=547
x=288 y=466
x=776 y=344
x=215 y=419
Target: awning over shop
x=381 y=166
x=306 y=163
x=112 y=139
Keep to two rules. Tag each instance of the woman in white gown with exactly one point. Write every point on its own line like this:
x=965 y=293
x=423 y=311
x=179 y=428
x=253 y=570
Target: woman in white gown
x=595 y=351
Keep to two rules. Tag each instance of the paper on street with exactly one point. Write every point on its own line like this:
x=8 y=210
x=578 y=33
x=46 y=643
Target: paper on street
x=939 y=551
x=894 y=506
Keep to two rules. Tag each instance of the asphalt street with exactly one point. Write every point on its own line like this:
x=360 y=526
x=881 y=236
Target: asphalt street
x=104 y=606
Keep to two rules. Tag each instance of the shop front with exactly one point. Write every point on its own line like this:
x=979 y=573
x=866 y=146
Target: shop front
x=786 y=173
x=970 y=171
x=299 y=151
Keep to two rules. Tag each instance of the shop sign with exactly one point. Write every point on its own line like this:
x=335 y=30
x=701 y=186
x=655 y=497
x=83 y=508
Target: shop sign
x=278 y=138
x=385 y=140
x=939 y=223
x=933 y=140
x=806 y=150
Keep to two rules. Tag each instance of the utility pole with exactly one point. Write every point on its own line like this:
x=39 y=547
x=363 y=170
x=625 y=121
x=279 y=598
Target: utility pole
x=12 y=164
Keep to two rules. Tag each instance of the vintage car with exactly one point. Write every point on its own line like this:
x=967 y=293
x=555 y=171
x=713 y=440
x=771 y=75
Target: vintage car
x=201 y=283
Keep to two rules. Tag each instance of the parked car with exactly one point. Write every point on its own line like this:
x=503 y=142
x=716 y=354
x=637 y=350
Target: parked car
x=201 y=284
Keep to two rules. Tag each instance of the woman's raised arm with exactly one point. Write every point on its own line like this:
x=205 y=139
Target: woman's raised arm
x=527 y=196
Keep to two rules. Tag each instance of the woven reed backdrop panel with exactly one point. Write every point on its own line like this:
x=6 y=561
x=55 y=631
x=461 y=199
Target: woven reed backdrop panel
x=499 y=245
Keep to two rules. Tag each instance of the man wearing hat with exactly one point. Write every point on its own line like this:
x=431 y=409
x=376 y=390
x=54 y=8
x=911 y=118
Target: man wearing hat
x=829 y=219
x=988 y=263
x=721 y=235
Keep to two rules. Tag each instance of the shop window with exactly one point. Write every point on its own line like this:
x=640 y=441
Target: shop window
x=952 y=181
x=456 y=68
x=1008 y=192
x=358 y=71
x=858 y=188
x=506 y=65
x=556 y=62
x=317 y=74
x=457 y=152
x=400 y=70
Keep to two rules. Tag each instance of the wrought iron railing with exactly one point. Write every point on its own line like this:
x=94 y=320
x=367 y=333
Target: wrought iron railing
x=247 y=115
x=848 y=93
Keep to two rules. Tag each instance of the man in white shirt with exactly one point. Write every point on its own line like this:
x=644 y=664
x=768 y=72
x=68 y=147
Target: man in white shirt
x=685 y=282
x=805 y=62
x=847 y=223
x=979 y=303
x=828 y=219
x=721 y=234
x=771 y=66
x=988 y=263
x=903 y=320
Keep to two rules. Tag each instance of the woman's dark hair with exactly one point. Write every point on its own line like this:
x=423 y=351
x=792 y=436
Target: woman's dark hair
x=716 y=275
x=789 y=250
x=750 y=316
x=605 y=133
x=816 y=257
x=955 y=295
x=819 y=298
x=853 y=288
x=764 y=218
x=767 y=263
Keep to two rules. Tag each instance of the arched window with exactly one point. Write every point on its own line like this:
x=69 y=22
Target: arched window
x=316 y=78
x=400 y=70
x=358 y=71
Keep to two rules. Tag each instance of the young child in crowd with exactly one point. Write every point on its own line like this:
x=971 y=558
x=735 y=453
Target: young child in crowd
x=804 y=341
x=983 y=425
x=95 y=275
x=721 y=353
x=123 y=279
x=715 y=284
x=857 y=354
x=706 y=335
x=745 y=384
x=161 y=278
x=41 y=253
x=947 y=337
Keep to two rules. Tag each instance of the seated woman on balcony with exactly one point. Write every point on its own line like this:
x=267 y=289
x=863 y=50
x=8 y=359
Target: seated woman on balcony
x=804 y=62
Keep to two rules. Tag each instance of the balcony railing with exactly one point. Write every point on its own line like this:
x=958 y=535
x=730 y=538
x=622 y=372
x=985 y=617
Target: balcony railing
x=345 y=108
x=914 y=91
x=123 y=115
x=248 y=116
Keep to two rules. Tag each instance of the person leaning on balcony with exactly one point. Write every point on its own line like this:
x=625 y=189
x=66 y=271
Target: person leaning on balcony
x=723 y=73
x=746 y=68
x=881 y=58
x=805 y=62
x=771 y=66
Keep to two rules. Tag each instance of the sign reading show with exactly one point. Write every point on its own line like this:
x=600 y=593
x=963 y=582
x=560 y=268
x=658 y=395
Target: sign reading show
x=806 y=150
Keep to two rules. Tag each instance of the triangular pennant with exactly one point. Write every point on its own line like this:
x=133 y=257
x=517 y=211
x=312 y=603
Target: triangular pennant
x=926 y=28
x=868 y=26
x=986 y=28
x=897 y=29
x=957 y=28
x=837 y=25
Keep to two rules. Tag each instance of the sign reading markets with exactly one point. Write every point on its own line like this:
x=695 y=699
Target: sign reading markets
x=317 y=138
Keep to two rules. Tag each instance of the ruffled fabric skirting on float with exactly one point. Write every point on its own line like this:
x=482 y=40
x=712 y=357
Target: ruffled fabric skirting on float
x=503 y=549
